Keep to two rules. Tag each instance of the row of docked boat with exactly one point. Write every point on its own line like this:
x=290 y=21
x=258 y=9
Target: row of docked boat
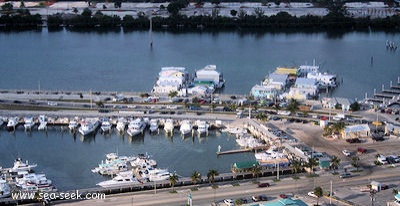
x=130 y=170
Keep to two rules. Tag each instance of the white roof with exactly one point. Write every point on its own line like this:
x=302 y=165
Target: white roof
x=278 y=77
x=262 y=88
x=357 y=128
x=305 y=81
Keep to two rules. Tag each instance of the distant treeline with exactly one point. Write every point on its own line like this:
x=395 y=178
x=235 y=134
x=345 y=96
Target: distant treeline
x=241 y=21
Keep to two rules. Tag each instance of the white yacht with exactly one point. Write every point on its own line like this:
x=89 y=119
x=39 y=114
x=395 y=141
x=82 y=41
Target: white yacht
x=5 y=190
x=88 y=126
x=106 y=125
x=122 y=179
x=42 y=122
x=136 y=127
x=202 y=127
x=154 y=125
x=186 y=127
x=12 y=123
x=121 y=124
x=29 y=123
x=73 y=124
x=25 y=178
x=169 y=126
x=158 y=175
x=21 y=166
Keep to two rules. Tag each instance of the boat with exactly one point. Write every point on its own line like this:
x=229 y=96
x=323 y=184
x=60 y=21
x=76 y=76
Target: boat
x=158 y=175
x=122 y=179
x=169 y=126
x=136 y=127
x=26 y=178
x=12 y=123
x=202 y=127
x=113 y=164
x=42 y=122
x=21 y=166
x=143 y=161
x=153 y=125
x=186 y=127
x=237 y=130
x=248 y=141
x=88 y=126
x=106 y=126
x=121 y=124
x=5 y=189
x=73 y=124
x=29 y=123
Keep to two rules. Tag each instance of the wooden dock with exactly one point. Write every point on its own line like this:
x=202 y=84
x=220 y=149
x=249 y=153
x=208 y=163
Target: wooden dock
x=242 y=150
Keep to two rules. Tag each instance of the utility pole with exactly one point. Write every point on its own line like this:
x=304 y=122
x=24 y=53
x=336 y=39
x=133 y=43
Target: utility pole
x=330 y=195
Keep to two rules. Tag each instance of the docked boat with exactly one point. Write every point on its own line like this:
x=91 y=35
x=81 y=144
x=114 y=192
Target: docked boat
x=28 y=123
x=121 y=124
x=122 y=179
x=136 y=127
x=169 y=126
x=154 y=124
x=42 y=122
x=88 y=126
x=186 y=127
x=106 y=126
x=158 y=175
x=73 y=124
x=248 y=141
x=12 y=123
x=19 y=165
x=5 y=189
x=25 y=178
x=143 y=161
x=202 y=127
x=113 y=164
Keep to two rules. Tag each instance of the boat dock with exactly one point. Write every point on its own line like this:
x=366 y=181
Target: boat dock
x=387 y=96
x=242 y=150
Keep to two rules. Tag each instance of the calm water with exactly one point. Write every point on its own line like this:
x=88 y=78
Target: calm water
x=124 y=62
x=67 y=158
x=118 y=61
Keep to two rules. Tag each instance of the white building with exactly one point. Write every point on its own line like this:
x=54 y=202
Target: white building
x=210 y=77
x=171 y=79
x=303 y=70
x=356 y=131
x=331 y=103
x=302 y=90
x=264 y=91
x=279 y=81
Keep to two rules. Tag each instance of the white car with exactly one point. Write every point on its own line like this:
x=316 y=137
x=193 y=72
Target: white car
x=311 y=194
x=346 y=152
x=229 y=202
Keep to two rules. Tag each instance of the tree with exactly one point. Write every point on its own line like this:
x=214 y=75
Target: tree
x=335 y=162
x=215 y=13
x=87 y=12
x=173 y=94
x=100 y=104
x=211 y=175
x=312 y=162
x=293 y=106
x=22 y=5
x=196 y=177
x=318 y=192
x=338 y=127
x=259 y=12
x=355 y=106
x=173 y=179
x=355 y=161
x=233 y=12
x=216 y=2
x=242 y=13
x=7 y=7
x=296 y=166
x=256 y=170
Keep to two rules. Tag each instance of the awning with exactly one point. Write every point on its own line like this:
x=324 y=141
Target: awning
x=397 y=196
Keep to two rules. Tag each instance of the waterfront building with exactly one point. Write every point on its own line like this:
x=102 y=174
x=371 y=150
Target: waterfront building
x=209 y=77
x=171 y=79
x=303 y=89
x=243 y=166
x=356 y=131
x=303 y=70
x=264 y=91
x=286 y=70
x=330 y=103
x=278 y=81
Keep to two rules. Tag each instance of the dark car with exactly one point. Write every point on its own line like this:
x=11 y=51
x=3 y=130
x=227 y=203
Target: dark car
x=283 y=196
x=345 y=175
x=353 y=140
x=265 y=184
x=259 y=198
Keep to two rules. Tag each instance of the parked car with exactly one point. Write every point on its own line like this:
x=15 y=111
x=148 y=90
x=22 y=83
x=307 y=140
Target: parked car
x=259 y=198
x=353 y=140
x=361 y=150
x=229 y=202
x=265 y=184
x=345 y=175
x=283 y=196
x=346 y=152
x=311 y=194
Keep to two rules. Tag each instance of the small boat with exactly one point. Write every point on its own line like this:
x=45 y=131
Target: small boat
x=5 y=190
x=169 y=126
x=122 y=179
x=12 y=123
x=73 y=124
x=202 y=127
x=136 y=127
x=29 y=123
x=21 y=166
x=158 y=175
x=106 y=126
x=88 y=126
x=186 y=127
x=154 y=125
x=42 y=122
x=121 y=124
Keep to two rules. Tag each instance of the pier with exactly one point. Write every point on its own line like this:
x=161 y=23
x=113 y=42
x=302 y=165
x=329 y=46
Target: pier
x=242 y=150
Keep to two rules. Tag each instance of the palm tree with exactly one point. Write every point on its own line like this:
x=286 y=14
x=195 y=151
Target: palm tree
x=335 y=162
x=296 y=166
x=173 y=94
x=211 y=175
x=293 y=106
x=355 y=161
x=318 y=192
x=255 y=170
x=311 y=163
x=338 y=127
x=196 y=177
x=173 y=179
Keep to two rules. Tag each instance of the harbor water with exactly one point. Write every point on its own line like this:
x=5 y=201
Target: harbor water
x=123 y=61
x=68 y=158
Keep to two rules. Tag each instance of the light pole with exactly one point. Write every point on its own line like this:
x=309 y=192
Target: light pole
x=372 y=193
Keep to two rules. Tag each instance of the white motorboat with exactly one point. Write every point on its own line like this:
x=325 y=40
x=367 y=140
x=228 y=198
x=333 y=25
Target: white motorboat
x=202 y=127
x=122 y=179
x=73 y=124
x=113 y=164
x=28 y=123
x=158 y=175
x=42 y=122
x=186 y=127
x=136 y=127
x=169 y=126
x=143 y=161
x=25 y=178
x=121 y=124
x=21 y=166
x=154 y=125
x=106 y=125
x=12 y=123
x=88 y=126
x=5 y=190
